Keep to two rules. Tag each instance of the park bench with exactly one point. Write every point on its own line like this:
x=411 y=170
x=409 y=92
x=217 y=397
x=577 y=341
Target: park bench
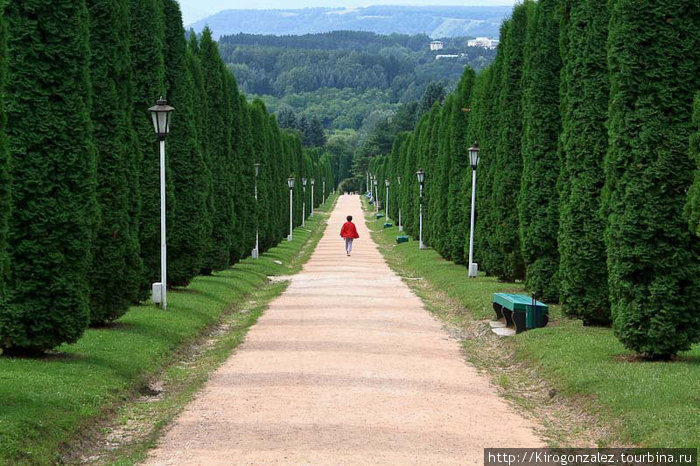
x=380 y=215
x=388 y=225
x=520 y=311
x=402 y=239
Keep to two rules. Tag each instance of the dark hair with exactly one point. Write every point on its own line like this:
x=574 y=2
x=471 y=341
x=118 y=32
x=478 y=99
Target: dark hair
x=349 y=218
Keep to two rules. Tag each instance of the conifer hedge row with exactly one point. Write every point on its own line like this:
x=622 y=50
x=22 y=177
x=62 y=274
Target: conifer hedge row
x=79 y=168
x=588 y=154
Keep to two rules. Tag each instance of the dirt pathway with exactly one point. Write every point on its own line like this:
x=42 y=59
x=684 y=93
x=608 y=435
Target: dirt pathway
x=346 y=367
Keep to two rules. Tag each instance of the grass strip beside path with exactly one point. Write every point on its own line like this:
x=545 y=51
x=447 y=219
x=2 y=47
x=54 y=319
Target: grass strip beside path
x=650 y=404
x=45 y=403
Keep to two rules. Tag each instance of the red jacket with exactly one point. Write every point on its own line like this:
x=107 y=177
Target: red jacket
x=349 y=231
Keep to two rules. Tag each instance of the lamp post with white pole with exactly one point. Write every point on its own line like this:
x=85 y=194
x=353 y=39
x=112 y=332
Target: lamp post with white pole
x=474 y=162
x=290 y=183
x=324 y=190
x=376 y=195
x=161 y=114
x=313 y=183
x=386 y=204
x=303 y=202
x=421 y=180
x=256 y=251
x=398 y=179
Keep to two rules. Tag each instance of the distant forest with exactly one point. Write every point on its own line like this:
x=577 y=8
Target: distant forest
x=342 y=77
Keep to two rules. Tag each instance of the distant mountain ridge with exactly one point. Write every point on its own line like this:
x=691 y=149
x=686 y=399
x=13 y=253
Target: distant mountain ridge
x=434 y=21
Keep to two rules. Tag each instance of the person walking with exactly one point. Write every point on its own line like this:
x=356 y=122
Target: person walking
x=349 y=233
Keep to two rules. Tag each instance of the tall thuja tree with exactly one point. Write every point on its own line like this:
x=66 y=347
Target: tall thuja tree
x=653 y=259
x=116 y=273
x=199 y=100
x=441 y=186
x=508 y=162
x=431 y=164
x=241 y=176
x=4 y=159
x=148 y=75
x=53 y=174
x=217 y=143
x=187 y=229
x=585 y=91
x=538 y=204
x=457 y=212
x=693 y=207
x=485 y=130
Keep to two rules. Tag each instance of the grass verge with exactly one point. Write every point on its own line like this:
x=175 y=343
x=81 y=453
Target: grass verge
x=580 y=382
x=48 y=404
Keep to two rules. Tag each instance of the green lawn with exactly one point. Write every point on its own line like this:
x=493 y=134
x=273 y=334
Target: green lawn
x=45 y=402
x=651 y=404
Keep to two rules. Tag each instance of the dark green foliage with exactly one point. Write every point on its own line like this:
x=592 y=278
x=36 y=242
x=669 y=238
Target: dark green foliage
x=484 y=129
x=216 y=140
x=435 y=92
x=538 y=204
x=694 y=193
x=459 y=171
x=53 y=174
x=653 y=259
x=116 y=271
x=187 y=228
x=584 y=141
x=507 y=163
x=4 y=160
x=148 y=75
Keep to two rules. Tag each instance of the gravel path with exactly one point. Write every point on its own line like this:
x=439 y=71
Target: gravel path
x=346 y=367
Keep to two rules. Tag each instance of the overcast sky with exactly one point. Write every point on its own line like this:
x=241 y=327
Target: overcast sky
x=193 y=10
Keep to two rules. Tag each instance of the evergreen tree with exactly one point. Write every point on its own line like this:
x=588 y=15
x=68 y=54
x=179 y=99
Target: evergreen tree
x=584 y=140
x=187 y=226
x=4 y=159
x=507 y=164
x=538 y=204
x=286 y=117
x=694 y=193
x=484 y=129
x=148 y=75
x=653 y=259
x=53 y=172
x=459 y=173
x=434 y=92
x=315 y=136
x=194 y=69
x=217 y=143
x=113 y=278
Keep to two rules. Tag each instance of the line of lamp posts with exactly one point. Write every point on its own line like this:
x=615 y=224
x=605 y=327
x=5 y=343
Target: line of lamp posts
x=373 y=184
x=161 y=115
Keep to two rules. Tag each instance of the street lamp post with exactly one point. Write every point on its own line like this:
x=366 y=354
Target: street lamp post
x=474 y=162
x=376 y=196
x=324 y=190
x=421 y=180
x=386 y=204
x=303 y=202
x=313 y=183
x=290 y=183
x=161 y=114
x=398 y=178
x=256 y=251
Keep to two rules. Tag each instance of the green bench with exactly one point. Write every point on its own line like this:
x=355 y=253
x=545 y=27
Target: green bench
x=388 y=225
x=380 y=215
x=521 y=311
x=401 y=239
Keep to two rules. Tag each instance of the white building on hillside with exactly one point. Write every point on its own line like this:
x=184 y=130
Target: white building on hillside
x=483 y=42
x=436 y=45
